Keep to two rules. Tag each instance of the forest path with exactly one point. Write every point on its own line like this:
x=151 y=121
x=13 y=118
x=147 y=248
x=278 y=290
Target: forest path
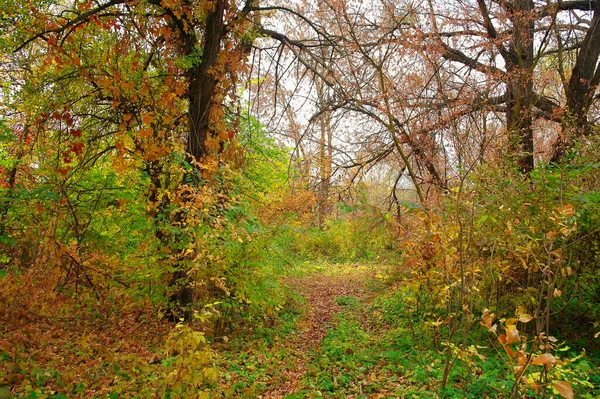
x=326 y=293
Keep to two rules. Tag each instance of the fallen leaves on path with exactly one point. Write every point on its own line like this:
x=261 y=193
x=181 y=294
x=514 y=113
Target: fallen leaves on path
x=320 y=290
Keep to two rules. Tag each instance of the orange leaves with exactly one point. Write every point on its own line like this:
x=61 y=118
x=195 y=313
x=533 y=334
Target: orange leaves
x=488 y=319
x=512 y=335
x=180 y=90
x=146 y=132
x=546 y=359
x=522 y=360
x=167 y=101
x=147 y=118
x=566 y=211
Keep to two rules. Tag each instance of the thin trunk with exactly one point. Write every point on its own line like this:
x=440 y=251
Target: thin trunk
x=8 y=198
x=325 y=159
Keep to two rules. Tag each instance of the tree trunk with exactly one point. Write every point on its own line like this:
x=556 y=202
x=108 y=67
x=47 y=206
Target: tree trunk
x=324 y=158
x=203 y=82
x=519 y=86
x=582 y=86
x=202 y=87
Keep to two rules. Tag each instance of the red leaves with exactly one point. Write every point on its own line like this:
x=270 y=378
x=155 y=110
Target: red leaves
x=77 y=133
x=63 y=171
x=77 y=148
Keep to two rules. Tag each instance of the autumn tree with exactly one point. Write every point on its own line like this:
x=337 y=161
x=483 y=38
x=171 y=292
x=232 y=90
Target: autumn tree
x=450 y=84
x=130 y=85
x=353 y=51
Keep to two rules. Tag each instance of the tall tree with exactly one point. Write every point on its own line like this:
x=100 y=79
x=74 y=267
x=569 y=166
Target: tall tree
x=121 y=78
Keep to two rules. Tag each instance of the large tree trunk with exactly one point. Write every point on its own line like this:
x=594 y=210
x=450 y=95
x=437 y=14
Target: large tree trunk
x=202 y=87
x=519 y=85
x=203 y=83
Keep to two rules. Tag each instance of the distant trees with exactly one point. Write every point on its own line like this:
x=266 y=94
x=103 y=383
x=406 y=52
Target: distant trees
x=507 y=49
x=450 y=84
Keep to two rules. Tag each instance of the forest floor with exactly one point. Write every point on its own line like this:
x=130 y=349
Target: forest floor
x=296 y=361
x=350 y=333
x=326 y=294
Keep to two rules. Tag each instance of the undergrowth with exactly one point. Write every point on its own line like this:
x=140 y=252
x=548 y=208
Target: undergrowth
x=387 y=349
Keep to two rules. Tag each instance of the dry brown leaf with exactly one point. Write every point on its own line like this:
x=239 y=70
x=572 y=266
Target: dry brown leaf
x=564 y=389
x=545 y=359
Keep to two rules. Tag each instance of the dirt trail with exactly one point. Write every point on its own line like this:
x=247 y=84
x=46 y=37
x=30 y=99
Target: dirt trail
x=320 y=290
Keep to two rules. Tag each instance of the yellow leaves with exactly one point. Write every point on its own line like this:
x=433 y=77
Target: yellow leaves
x=524 y=263
x=212 y=144
x=563 y=217
x=220 y=284
x=436 y=323
x=191 y=365
x=525 y=318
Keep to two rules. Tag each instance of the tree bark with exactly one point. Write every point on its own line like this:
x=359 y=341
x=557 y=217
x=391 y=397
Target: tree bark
x=519 y=85
x=202 y=87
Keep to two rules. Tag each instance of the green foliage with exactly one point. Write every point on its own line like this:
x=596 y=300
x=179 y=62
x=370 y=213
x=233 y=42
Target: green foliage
x=349 y=301
x=365 y=239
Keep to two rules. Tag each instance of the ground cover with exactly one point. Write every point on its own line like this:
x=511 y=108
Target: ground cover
x=353 y=334
x=347 y=331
